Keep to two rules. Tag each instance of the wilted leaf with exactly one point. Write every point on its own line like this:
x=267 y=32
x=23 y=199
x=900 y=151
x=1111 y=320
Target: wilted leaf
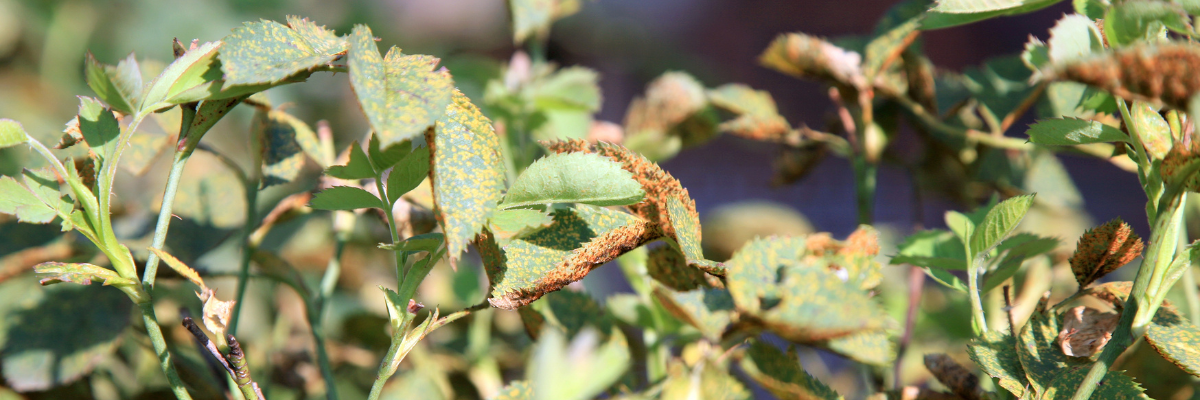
x=60 y=334
x=269 y=52
x=216 y=312
x=805 y=56
x=1072 y=131
x=1157 y=73
x=573 y=178
x=998 y=223
x=344 y=198
x=1085 y=331
x=401 y=94
x=82 y=273
x=580 y=239
x=577 y=370
x=710 y=310
x=194 y=68
x=179 y=267
x=1116 y=386
x=1103 y=249
x=954 y=376
x=994 y=353
x=782 y=374
x=467 y=170
x=933 y=249
x=669 y=267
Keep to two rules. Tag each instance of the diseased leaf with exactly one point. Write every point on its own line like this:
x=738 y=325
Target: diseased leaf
x=507 y=224
x=408 y=174
x=1181 y=166
x=1151 y=129
x=1041 y=357
x=580 y=239
x=344 y=198
x=994 y=353
x=1115 y=385
x=194 y=68
x=669 y=267
x=705 y=381
x=270 y=52
x=141 y=151
x=60 y=333
x=888 y=46
x=1086 y=330
x=656 y=124
x=805 y=56
x=402 y=95
x=467 y=171
x=710 y=310
x=1137 y=73
x=757 y=119
x=953 y=375
x=569 y=311
x=932 y=249
x=573 y=178
x=1176 y=339
x=81 y=273
x=687 y=228
x=531 y=18
x=1103 y=249
x=1000 y=221
x=782 y=374
x=11 y=133
x=1072 y=131
x=359 y=166
x=870 y=347
x=282 y=157
x=515 y=390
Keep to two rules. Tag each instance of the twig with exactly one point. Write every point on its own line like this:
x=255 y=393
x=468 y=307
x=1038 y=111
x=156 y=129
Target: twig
x=206 y=343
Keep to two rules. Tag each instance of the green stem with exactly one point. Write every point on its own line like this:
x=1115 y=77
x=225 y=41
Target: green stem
x=864 y=188
x=168 y=200
x=386 y=369
x=160 y=349
x=978 y=319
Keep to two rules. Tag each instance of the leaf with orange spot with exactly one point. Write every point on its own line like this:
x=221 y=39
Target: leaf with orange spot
x=467 y=171
x=401 y=94
x=270 y=52
x=1104 y=249
x=669 y=267
x=710 y=310
x=1158 y=73
x=580 y=239
x=757 y=117
x=806 y=56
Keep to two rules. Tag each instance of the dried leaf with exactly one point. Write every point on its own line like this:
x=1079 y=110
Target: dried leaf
x=216 y=312
x=1103 y=249
x=1086 y=330
x=956 y=377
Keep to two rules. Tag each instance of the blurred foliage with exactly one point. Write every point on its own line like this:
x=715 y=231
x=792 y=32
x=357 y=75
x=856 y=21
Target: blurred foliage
x=318 y=227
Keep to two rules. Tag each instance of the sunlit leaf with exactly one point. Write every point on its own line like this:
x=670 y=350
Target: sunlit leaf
x=269 y=52
x=1103 y=249
x=402 y=95
x=81 y=273
x=887 y=47
x=669 y=267
x=531 y=18
x=933 y=249
x=1016 y=250
x=1071 y=131
x=518 y=221
x=1073 y=37
x=99 y=128
x=869 y=347
x=571 y=88
x=179 y=267
x=344 y=198
x=194 y=68
x=17 y=199
x=468 y=171
x=994 y=353
x=1000 y=221
x=1041 y=357
x=573 y=178
x=757 y=117
x=106 y=82
x=515 y=390
x=1142 y=20
x=1116 y=386
x=949 y=13
x=706 y=381
x=655 y=125
x=11 y=133
x=782 y=374
x=60 y=334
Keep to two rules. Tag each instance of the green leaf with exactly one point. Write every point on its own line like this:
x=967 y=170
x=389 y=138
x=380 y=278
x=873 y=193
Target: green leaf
x=18 y=200
x=1072 y=131
x=408 y=174
x=531 y=18
x=1116 y=385
x=707 y=381
x=515 y=390
x=1042 y=359
x=401 y=94
x=573 y=178
x=81 y=273
x=269 y=52
x=782 y=374
x=757 y=117
x=283 y=156
x=709 y=310
x=57 y=335
x=1000 y=221
x=192 y=69
x=428 y=242
x=1151 y=129
x=577 y=370
x=518 y=222
x=417 y=383
x=99 y=128
x=44 y=185
x=687 y=230
x=946 y=279
x=344 y=198
x=11 y=133
x=141 y=151
x=1073 y=37
x=870 y=347
x=932 y=249
x=569 y=88
x=359 y=166
x=382 y=159
x=468 y=171
x=768 y=279
x=1016 y=250
x=994 y=353
x=949 y=13
x=1143 y=20
x=570 y=311
x=580 y=239
x=106 y=86
x=669 y=267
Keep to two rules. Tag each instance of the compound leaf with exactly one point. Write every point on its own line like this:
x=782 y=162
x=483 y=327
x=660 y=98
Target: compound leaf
x=402 y=95
x=467 y=171
x=269 y=52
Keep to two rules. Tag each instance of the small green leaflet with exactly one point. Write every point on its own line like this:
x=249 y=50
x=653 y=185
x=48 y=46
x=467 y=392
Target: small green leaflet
x=1074 y=36
x=118 y=86
x=572 y=88
x=344 y=198
x=948 y=13
x=933 y=248
x=531 y=18
x=11 y=133
x=99 y=128
x=18 y=200
x=1000 y=221
x=408 y=174
x=574 y=178
x=1071 y=131
x=518 y=221
x=82 y=273
x=402 y=95
x=192 y=69
x=1131 y=21
x=269 y=52
x=359 y=166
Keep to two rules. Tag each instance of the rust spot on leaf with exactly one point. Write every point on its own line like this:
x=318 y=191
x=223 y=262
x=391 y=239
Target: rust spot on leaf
x=1104 y=249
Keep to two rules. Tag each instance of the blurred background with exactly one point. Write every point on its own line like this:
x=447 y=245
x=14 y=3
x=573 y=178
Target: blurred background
x=628 y=42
